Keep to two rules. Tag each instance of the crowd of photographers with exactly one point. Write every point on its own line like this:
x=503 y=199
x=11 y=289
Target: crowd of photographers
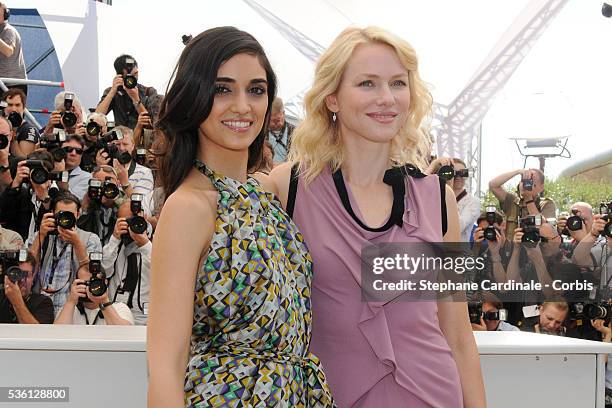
x=80 y=196
x=78 y=206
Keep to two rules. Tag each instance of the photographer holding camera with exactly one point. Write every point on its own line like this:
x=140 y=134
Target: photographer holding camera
x=8 y=162
x=127 y=260
x=19 y=304
x=68 y=115
x=97 y=125
x=595 y=249
x=126 y=97
x=139 y=178
x=88 y=302
x=526 y=201
x=100 y=204
x=578 y=223
x=492 y=315
x=26 y=136
x=78 y=179
x=550 y=320
x=23 y=204
x=62 y=248
x=454 y=171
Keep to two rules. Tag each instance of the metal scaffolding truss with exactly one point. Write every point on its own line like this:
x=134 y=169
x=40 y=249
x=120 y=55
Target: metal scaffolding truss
x=458 y=134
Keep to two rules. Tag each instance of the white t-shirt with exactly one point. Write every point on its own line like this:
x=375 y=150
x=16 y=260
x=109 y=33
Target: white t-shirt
x=122 y=309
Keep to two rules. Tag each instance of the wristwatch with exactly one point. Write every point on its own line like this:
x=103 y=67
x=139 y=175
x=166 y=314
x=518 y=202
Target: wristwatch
x=105 y=305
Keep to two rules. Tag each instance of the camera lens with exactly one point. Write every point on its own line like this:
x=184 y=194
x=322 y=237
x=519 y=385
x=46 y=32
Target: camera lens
x=15 y=274
x=531 y=237
x=137 y=224
x=39 y=176
x=97 y=286
x=93 y=129
x=574 y=223
x=58 y=154
x=3 y=141
x=130 y=81
x=124 y=158
x=69 y=119
x=15 y=119
x=110 y=191
x=446 y=172
x=65 y=219
x=607 y=231
x=489 y=234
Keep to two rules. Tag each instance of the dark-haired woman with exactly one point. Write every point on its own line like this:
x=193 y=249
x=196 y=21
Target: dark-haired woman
x=230 y=271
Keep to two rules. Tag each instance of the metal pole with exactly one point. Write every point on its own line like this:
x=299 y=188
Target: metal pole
x=16 y=81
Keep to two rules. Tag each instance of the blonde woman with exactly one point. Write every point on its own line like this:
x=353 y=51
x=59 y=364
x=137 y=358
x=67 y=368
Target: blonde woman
x=356 y=183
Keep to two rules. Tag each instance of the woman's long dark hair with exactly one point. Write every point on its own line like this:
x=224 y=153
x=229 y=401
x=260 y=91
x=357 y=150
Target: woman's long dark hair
x=191 y=95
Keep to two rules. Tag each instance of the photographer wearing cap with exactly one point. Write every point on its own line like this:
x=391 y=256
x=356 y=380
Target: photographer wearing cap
x=23 y=204
x=126 y=97
x=101 y=202
x=12 y=63
x=78 y=179
x=62 y=248
x=97 y=125
x=127 y=260
x=526 y=201
x=85 y=304
x=134 y=177
x=468 y=205
x=20 y=305
x=26 y=136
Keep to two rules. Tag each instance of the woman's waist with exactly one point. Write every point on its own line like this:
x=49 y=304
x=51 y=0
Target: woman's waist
x=237 y=352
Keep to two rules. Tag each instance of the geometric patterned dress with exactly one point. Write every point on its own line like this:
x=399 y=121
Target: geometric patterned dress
x=252 y=311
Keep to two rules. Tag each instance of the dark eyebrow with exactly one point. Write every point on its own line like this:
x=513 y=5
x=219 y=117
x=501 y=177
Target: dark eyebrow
x=232 y=80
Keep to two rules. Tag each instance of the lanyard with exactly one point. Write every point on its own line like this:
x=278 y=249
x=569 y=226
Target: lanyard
x=56 y=259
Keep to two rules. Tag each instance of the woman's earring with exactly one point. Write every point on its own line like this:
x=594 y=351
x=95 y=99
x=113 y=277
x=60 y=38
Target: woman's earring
x=334 y=117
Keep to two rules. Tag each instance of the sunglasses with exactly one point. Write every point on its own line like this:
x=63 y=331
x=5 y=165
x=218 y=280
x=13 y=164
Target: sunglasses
x=70 y=149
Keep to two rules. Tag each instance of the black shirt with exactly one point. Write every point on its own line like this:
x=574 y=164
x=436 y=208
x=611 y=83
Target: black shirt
x=40 y=306
x=28 y=133
x=123 y=107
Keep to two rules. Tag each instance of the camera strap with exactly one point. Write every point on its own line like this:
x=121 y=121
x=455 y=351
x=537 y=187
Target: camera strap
x=130 y=282
x=81 y=309
x=55 y=259
x=461 y=195
x=132 y=168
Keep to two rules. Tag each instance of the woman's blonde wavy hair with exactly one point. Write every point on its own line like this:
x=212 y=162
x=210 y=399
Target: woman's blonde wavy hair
x=316 y=143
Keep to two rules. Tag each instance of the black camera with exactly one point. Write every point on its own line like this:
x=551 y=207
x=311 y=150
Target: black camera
x=129 y=81
x=64 y=219
x=15 y=118
x=141 y=156
x=136 y=223
x=449 y=172
x=605 y=209
x=40 y=175
x=527 y=184
x=490 y=232
x=475 y=312
x=9 y=266
x=97 y=282
x=93 y=128
x=606 y=10
x=574 y=223
x=121 y=157
x=68 y=118
x=98 y=189
x=4 y=141
x=53 y=144
x=530 y=226
x=601 y=310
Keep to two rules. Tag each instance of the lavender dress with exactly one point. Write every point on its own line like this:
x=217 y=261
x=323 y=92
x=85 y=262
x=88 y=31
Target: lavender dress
x=390 y=355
